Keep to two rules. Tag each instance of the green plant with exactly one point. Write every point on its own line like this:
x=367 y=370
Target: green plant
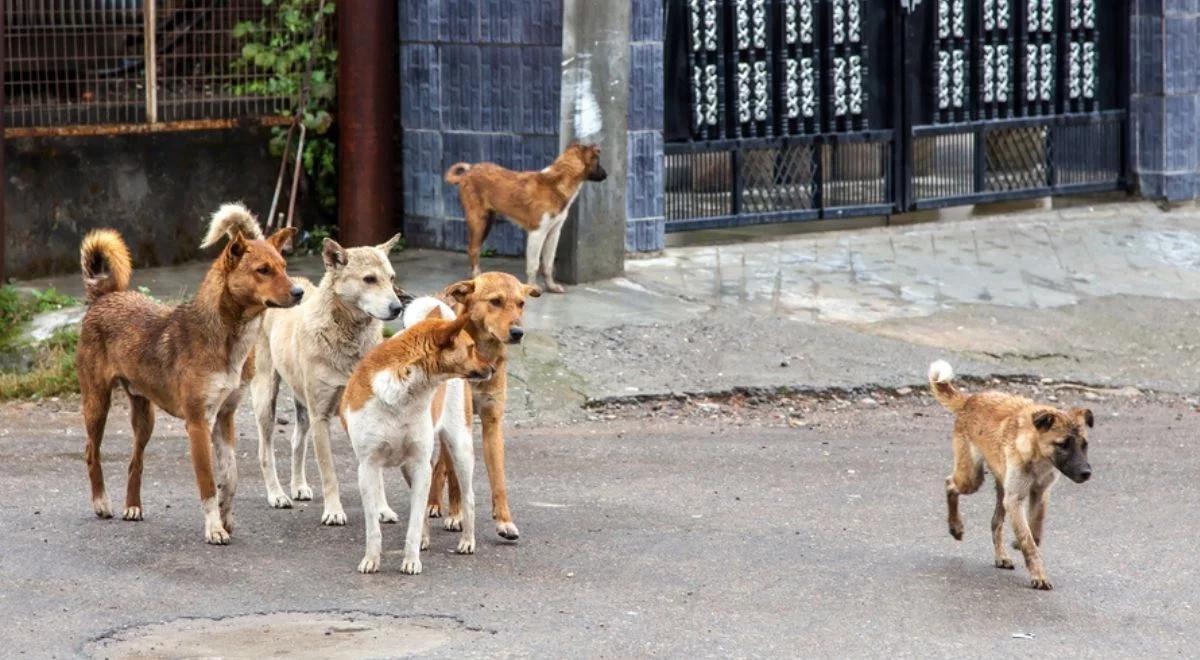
x=18 y=306
x=278 y=55
x=313 y=239
x=53 y=372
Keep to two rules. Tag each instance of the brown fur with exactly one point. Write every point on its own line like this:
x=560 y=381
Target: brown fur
x=525 y=198
x=492 y=305
x=1025 y=445
x=170 y=358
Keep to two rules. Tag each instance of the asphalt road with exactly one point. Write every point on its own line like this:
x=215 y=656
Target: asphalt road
x=704 y=535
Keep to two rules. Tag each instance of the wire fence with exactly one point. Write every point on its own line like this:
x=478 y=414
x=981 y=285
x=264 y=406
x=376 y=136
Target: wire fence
x=99 y=66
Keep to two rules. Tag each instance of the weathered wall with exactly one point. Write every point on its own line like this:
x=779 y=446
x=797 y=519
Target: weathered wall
x=645 y=228
x=157 y=190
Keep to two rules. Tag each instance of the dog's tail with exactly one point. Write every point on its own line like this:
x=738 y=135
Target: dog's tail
x=456 y=172
x=104 y=259
x=229 y=220
x=940 y=375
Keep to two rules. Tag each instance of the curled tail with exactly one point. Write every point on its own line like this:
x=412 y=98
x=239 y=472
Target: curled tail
x=104 y=259
x=456 y=172
x=940 y=375
x=229 y=220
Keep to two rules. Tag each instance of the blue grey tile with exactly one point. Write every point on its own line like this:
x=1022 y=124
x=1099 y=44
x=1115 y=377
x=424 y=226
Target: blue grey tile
x=1148 y=54
x=541 y=22
x=1182 y=48
x=646 y=235
x=645 y=86
x=1147 y=118
x=460 y=87
x=421 y=156
x=1180 y=125
x=498 y=21
x=644 y=183
x=420 y=76
x=460 y=21
x=646 y=21
x=420 y=20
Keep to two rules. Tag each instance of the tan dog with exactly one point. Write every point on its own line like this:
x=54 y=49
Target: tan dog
x=386 y=412
x=1025 y=445
x=538 y=202
x=313 y=347
x=491 y=305
x=187 y=360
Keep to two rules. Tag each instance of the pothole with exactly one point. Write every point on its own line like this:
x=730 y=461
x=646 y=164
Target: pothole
x=284 y=635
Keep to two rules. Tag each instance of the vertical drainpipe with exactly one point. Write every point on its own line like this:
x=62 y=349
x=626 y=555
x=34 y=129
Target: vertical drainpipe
x=366 y=102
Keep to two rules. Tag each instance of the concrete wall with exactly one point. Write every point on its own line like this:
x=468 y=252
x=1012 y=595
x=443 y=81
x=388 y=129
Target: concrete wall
x=157 y=190
x=479 y=80
x=1165 y=103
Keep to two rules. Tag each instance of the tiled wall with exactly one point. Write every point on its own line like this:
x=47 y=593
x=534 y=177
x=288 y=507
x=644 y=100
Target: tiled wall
x=644 y=229
x=479 y=80
x=1165 y=108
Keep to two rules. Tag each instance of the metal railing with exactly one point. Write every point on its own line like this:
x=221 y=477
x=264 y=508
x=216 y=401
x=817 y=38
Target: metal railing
x=111 y=66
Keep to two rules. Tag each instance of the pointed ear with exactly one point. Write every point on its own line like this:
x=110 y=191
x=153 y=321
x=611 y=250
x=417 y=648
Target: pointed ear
x=333 y=254
x=448 y=330
x=459 y=291
x=281 y=237
x=532 y=291
x=1043 y=420
x=1083 y=416
x=235 y=249
x=389 y=244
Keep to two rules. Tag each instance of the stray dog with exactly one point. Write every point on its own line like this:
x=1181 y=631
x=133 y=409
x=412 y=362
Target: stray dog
x=187 y=360
x=538 y=202
x=386 y=412
x=1025 y=445
x=314 y=347
x=492 y=305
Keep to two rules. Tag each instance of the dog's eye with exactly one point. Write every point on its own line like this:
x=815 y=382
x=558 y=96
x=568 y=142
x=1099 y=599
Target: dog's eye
x=520 y=304
x=370 y=279
x=497 y=302
x=263 y=270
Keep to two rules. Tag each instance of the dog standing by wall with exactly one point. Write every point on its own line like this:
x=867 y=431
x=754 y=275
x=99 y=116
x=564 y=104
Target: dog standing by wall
x=538 y=202
x=187 y=360
x=313 y=347
x=386 y=411
x=1025 y=445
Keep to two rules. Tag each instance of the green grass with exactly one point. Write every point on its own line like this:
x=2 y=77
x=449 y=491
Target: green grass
x=53 y=372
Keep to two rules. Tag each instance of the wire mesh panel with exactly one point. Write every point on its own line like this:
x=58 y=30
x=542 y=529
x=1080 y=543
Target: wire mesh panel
x=76 y=63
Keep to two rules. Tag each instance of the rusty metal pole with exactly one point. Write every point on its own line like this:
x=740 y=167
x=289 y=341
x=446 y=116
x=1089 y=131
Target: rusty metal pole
x=3 y=178
x=366 y=102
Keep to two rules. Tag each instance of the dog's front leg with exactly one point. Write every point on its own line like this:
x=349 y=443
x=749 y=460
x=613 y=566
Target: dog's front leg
x=333 y=514
x=491 y=415
x=1014 y=506
x=223 y=442
x=368 y=490
x=549 y=252
x=1038 y=500
x=200 y=443
x=1002 y=558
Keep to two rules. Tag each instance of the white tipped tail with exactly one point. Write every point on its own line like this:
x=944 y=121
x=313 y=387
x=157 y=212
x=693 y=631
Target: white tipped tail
x=229 y=220
x=940 y=375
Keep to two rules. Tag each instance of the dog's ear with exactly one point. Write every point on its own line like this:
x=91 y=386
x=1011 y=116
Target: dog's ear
x=281 y=237
x=390 y=243
x=333 y=255
x=236 y=249
x=532 y=291
x=1043 y=420
x=459 y=291
x=1083 y=416
x=448 y=331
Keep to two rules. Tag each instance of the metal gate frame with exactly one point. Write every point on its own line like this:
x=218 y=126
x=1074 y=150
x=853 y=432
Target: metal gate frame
x=751 y=149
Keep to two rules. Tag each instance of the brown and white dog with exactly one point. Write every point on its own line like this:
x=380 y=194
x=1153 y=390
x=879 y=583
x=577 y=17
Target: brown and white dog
x=187 y=360
x=492 y=305
x=386 y=413
x=1025 y=445
x=538 y=202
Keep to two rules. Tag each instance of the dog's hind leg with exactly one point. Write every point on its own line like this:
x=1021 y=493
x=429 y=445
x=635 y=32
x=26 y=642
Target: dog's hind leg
x=534 y=242
x=460 y=444
x=438 y=483
x=386 y=514
x=966 y=479
x=141 y=414
x=264 y=393
x=368 y=490
x=96 y=400
x=300 y=489
x=1002 y=558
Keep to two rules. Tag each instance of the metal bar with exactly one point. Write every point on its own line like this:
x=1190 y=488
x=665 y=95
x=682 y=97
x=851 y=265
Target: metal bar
x=83 y=130
x=283 y=159
x=150 y=56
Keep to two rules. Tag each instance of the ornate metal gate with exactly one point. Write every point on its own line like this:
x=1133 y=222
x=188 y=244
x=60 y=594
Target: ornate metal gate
x=781 y=110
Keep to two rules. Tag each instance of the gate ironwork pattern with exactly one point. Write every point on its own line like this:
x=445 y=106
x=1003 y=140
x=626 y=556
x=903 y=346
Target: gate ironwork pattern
x=799 y=109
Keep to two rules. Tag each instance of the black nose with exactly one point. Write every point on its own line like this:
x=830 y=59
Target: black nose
x=395 y=309
x=1085 y=475
x=515 y=333
x=297 y=293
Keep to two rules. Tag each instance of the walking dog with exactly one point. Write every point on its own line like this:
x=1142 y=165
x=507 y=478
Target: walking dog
x=386 y=412
x=187 y=360
x=538 y=202
x=492 y=305
x=313 y=347
x=1025 y=445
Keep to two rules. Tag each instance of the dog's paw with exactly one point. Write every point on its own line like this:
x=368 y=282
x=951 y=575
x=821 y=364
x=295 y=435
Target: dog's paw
x=555 y=287
x=279 y=500
x=132 y=513
x=1004 y=563
x=302 y=493
x=434 y=511
x=1041 y=584
x=508 y=530
x=1016 y=545
x=386 y=515
x=452 y=523
x=411 y=566
x=102 y=507
x=424 y=542
x=333 y=517
x=369 y=564
x=216 y=535
x=466 y=546
x=227 y=521
x=956 y=530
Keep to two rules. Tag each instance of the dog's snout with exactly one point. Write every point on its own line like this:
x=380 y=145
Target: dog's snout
x=515 y=334
x=297 y=292
x=395 y=309
x=1085 y=474
x=599 y=174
